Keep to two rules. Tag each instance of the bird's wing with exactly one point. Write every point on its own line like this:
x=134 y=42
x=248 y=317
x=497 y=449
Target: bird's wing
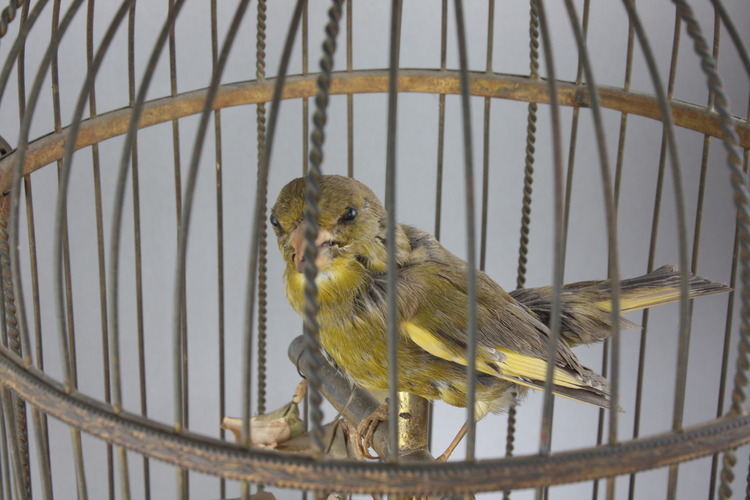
x=508 y=365
x=512 y=343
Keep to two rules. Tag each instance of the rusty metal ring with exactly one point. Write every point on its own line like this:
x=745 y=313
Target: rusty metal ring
x=230 y=461
x=51 y=147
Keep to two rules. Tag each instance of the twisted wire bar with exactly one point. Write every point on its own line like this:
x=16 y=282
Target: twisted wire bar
x=721 y=12
x=21 y=427
x=260 y=117
x=258 y=222
x=14 y=344
x=260 y=57
x=528 y=172
x=5 y=474
x=9 y=14
x=311 y=214
x=696 y=247
x=6 y=399
x=528 y=181
x=39 y=420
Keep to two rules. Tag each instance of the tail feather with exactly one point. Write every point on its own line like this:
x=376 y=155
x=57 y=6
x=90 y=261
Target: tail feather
x=587 y=305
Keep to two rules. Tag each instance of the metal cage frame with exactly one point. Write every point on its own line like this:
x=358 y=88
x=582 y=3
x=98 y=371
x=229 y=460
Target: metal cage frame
x=25 y=387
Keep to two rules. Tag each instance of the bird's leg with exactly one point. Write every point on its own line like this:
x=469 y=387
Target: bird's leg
x=366 y=428
x=447 y=453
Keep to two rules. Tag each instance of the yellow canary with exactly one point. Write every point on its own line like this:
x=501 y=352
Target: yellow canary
x=512 y=329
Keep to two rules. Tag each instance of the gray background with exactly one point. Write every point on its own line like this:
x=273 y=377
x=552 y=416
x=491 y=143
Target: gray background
x=575 y=425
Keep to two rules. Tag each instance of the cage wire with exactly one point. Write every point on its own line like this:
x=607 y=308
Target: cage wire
x=542 y=142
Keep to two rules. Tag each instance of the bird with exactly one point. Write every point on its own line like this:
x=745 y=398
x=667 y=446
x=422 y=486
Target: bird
x=512 y=329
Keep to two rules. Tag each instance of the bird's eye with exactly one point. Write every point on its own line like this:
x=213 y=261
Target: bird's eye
x=274 y=221
x=349 y=215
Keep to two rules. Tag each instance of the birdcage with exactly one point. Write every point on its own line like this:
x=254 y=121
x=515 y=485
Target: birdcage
x=142 y=144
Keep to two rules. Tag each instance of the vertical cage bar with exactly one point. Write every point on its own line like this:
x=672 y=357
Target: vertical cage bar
x=664 y=108
x=642 y=341
x=739 y=182
x=64 y=293
x=471 y=276
x=219 y=191
x=178 y=335
x=349 y=97
x=136 y=248
x=42 y=437
x=87 y=92
x=116 y=234
x=528 y=177
x=390 y=207
x=311 y=214
x=721 y=13
x=21 y=493
x=441 y=122
x=177 y=158
x=573 y=143
x=257 y=222
x=95 y=160
x=611 y=218
x=263 y=254
x=486 y=139
x=5 y=474
x=528 y=181
x=558 y=263
x=12 y=442
x=305 y=158
x=305 y=100
x=263 y=242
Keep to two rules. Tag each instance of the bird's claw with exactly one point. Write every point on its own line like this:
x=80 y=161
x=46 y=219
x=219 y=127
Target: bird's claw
x=362 y=435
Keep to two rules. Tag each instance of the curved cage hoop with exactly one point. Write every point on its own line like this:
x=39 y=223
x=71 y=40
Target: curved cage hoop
x=154 y=221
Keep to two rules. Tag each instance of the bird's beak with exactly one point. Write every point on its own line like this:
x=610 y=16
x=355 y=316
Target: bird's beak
x=297 y=239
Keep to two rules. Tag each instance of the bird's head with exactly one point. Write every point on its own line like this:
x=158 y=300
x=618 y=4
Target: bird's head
x=351 y=225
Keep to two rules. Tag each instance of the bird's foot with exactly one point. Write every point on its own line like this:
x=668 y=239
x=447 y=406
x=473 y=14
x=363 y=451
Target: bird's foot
x=362 y=437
